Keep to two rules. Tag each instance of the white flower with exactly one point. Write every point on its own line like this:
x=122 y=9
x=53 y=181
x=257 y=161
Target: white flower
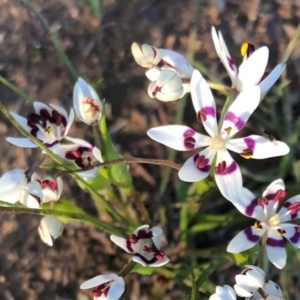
x=270 y=288
x=252 y=71
x=223 y=293
x=227 y=173
x=15 y=186
x=105 y=287
x=270 y=221
x=49 y=229
x=52 y=188
x=49 y=124
x=144 y=243
x=167 y=86
x=82 y=154
x=145 y=55
x=87 y=105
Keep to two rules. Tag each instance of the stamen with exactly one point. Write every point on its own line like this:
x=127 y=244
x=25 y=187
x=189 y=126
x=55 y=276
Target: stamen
x=280 y=195
x=262 y=201
x=133 y=238
x=257 y=225
x=48 y=129
x=294 y=208
x=156 y=90
x=274 y=220
x=201 y=116
x=160 y=255
x=247 y=153
x=189 y=143
x=221 y=167
x=228 y=130
x=201 y=162
x=281 y=232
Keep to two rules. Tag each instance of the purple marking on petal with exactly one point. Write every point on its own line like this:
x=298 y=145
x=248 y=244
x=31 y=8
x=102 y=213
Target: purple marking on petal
x=128 y=246
x=189 y=143
x=250 y=143
x=275 y=243
x=278 y=196
x=251 y=236
x=145 y=260
x=201 y=162
x=231 y=63
x=250 y=208
x=209 y=111
x=238 y=122
x=287 y=205
x=188 y=133
x=222 y=169
x=296 y=237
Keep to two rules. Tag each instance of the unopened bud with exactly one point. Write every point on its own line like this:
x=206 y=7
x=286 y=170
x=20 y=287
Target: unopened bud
x=145 y=55
x=50 y=228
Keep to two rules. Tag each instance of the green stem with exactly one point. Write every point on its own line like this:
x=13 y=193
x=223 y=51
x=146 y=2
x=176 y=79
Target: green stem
x=291 y=46
x=17 y=90
x=57 y=159
x=228 y=102
x=78 y=217
x=127 y=268
x=54 y=39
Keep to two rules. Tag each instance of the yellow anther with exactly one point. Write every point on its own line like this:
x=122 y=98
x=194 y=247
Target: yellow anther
x=48 y=129
x=228 y=130
x=257 y=225
x=244 y=49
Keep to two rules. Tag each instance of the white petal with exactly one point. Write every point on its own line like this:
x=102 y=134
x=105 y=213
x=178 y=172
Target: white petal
x=247 y=204
x=98 y=280
x=21 y=142
x=275 y=249
x=198 y=166
x=271 y=288
x=259 y=147
x=204 y=103
x=21 y=120
x=121 y=242
x=275 y=193
x=145 y=55
x=240 y=111
x=292 y=233
x=97 y=153
x=70 y=122
x=116 y=290
x=153 y=263
x=153 y=74
x=60 y=186
x=245 y=240
x=89 y=174
x=252 y=69
x=38 y=106
x=228 y=176
x=270 y=80
x=178 y=137
x=177 y=61
x=240 y=291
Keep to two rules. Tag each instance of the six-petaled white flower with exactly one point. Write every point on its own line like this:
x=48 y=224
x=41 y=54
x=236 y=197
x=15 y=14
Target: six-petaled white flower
x=144 y=244
x=252 y=71
x=49 y=124
x=15 y=186
x=52 y=188
x=105 y=287
x=50 y=228
x=86 y=102
x=227 y=173
x=223 y=293
x=82 y=154
x=270 y=222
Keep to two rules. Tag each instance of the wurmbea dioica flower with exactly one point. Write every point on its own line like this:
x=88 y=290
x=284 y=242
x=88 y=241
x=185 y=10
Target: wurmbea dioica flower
x=51 y=188
x=15 y=186
x=270 y=222
x=223 y=293
x=145 y=55
x=50 y=228
x=105 y=287
x=144 y=244
x=227 y=173
x=49 y=124
x=87 y=105
x=252 y=71
x=82 y=154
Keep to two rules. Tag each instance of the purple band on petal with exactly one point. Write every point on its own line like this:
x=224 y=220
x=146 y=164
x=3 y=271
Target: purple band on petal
x=145 y=260
x=188 y=133
x=209 y=111
x=251 y=236
x=275 y=243
x=222 y=169
x=128 y=246
x=238 y=122
x=250 y=143
x=189 y=143
x=296 y=237
x=202 y=163
x=231 y=63
x=250 y=208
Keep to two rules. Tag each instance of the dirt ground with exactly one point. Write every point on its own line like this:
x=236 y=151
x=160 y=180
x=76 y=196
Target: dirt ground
x=28 y=268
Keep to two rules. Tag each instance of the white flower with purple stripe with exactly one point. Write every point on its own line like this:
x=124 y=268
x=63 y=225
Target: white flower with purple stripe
x=105 y=287
x=49 y=124
x=252 y=71
x=270 y=222
x=227 y=173
x=144 y=244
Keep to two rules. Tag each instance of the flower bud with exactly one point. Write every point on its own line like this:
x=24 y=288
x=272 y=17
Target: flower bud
x=51 y=188
x=145 y=55
x=176 y=61
x=167 y=87
x=50 y=228
x=31 y=195
x=87 y=105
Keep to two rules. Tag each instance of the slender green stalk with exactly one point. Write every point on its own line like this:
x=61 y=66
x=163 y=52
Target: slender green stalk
x=228 y=102
x=263 y=261
x=127 y=268
x=54 y=39
x=17 y=90
x=220 y=87
x=78 y=217
x=57 y=159
x=291 y=46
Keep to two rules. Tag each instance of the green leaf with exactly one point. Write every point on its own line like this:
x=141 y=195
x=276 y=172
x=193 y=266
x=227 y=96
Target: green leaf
x=118 y=174
x=138 y=268
x=56 y=166
x=66 y=206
